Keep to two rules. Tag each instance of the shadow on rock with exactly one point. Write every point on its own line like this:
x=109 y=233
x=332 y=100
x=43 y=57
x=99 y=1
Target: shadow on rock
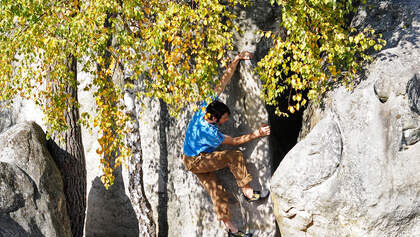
x=110 y=212
x=10 y=228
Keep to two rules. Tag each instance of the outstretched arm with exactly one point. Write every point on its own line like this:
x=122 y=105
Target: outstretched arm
x=235 y=141
x=227 y=75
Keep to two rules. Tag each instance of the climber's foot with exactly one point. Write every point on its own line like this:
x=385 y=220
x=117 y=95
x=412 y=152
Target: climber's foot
x=257 y=196
x=239 y=233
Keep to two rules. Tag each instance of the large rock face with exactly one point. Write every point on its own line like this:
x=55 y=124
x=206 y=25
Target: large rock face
x=32 y=201
x=355 y=173
x=181 y=206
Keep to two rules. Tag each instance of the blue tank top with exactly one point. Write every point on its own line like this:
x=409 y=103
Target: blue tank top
x=201 y=136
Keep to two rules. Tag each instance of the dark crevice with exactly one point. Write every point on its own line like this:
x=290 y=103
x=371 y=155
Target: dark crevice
x=163 y=172
x=284 y=132
x=413 y=92
x=9 y=227
x=35 y=231
x=36 y=195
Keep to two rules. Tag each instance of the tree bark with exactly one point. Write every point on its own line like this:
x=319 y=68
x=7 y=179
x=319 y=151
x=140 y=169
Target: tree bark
x=70 y=159
x=140 y=203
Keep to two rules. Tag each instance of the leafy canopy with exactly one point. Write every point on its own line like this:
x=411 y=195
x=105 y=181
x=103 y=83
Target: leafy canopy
x=316 y=48
x=176 y=45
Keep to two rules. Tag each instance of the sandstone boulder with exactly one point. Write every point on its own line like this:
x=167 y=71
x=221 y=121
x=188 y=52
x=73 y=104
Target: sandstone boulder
x=32 y=202
x=355 y=171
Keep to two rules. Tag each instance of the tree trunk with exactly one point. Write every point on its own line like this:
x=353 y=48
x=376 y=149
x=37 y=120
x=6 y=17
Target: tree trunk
x=141 y=205
x=70 y=159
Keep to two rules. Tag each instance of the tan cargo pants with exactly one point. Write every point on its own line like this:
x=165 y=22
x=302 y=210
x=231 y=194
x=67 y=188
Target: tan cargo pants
x=205 y=165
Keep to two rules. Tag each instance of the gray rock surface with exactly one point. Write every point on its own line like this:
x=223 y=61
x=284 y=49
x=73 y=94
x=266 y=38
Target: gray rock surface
x=32 y=202
x=413 y=92
x=109 y=212
x=177 y=198
x=355 y=170
x=181 y=207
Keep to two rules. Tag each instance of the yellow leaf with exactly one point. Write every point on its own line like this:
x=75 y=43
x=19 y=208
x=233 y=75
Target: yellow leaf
x=103 y=179
x=291 y=109
x=99 y=151
x=220 y=55
x=299 y=97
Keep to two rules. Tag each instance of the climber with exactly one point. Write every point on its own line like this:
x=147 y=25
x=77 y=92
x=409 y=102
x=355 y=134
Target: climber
x=203 y=137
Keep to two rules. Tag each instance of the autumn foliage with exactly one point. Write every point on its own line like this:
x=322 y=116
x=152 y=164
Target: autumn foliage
x=315 y=48
x=176 y=47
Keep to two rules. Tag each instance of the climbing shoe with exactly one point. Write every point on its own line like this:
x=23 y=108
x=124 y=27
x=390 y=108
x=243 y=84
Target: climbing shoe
x=239 y=233
x=257 y=196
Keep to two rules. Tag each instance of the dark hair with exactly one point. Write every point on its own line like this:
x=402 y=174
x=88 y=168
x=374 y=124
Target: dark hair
x=217 y=109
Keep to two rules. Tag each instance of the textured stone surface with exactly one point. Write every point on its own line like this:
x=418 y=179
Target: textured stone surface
x=413 y=92
x=181 y=206
x=19 y=111
x=189 y=211
x=32 y=202
x=316 y=160
x=369 y=186
x=109 y=211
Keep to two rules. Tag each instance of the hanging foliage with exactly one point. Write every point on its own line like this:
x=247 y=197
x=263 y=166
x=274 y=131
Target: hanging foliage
x=316 y=48
x=176 y=45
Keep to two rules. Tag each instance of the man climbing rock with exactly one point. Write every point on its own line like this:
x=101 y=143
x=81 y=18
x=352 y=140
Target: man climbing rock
x=200 y=156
